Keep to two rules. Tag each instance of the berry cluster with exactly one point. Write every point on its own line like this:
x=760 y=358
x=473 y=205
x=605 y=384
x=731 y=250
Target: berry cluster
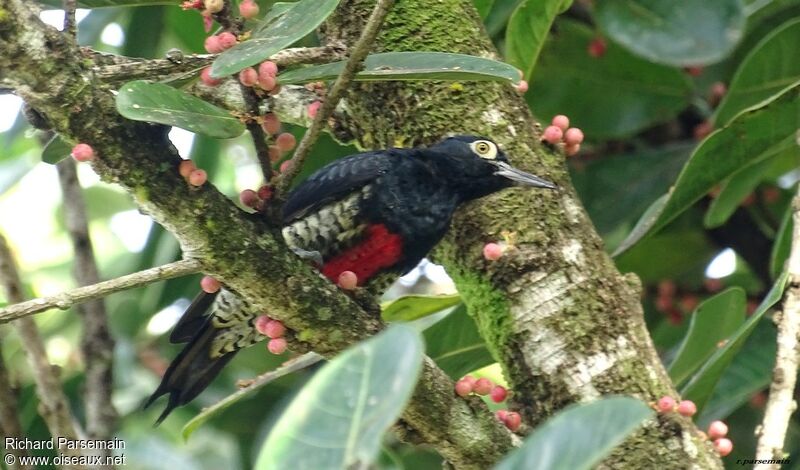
x=82 y=153
x=256 y=199
x=219 y=42
x=559 y=130
x=717 y=430
x=274 y=330
x=497 y=393
x=193 y=175
x=284 y=142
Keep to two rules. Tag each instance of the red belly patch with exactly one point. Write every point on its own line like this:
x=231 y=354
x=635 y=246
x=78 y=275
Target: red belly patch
x=378 y=250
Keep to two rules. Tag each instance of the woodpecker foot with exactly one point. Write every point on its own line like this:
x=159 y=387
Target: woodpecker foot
x=314 y=256
x=366 y=300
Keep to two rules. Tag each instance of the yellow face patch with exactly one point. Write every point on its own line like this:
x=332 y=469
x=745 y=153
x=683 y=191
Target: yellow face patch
x=484 y=149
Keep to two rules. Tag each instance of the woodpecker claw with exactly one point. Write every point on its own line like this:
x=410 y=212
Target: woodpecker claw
x=314 y=256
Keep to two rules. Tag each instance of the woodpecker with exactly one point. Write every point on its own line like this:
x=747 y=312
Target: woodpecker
x=376 y=214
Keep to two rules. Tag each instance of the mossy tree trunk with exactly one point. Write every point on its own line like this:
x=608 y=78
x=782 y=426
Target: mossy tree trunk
x=565 y=325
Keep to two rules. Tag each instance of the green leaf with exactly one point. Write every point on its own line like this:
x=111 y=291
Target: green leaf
x=412 y=307
x=733 y=192
x=783 y=243
x=702 y=384
x=455 y=344
x=527 y=31
x=56 y=150
x=338 y=419
x=483 y=7
x=685 y=33
x=59 y=4
x=644 y=224
x=620 y=96
x=768 y=69
x=498 y=16
x=274 y=34
x=714 y=320
x=754 y=135
x=263 y=380
x=155 y=102
x=277 y=10
x=579 y=436
x=411 y=66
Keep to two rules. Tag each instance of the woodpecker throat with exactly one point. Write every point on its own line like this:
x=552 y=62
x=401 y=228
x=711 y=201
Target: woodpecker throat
x=376 y=214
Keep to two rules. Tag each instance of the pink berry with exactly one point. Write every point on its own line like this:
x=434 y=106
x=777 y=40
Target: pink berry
x=213 y=45
x=313 y=109
x=666 y=404
x=463 y=388
x=265 y=192
x=470 y=379
x=271 y=124
x=248 y=76
x=573 y=136
x=513 y=421
x=560 y=121
x=498 y=394
x=695 y=71
x=597 y=48
x=552 y=134
x=261 y=324
x=248 y=9
x=483 y=386
x=717 y=429
x=275 y=154
x=82 y=153
x=274 y=329
x=248 y=198
x=521 y=87
x=267 y=83
x=286 y=165
x=186 y=167
x=724 y=446
x=207 y=79
x=348 y=280
x=226 y=40
x=687 y=408
x=572 y=150
x=277 y=345
x=209 y=284
x=198 y=177
x=267 y=69
x=501 y=415
x=285 y=141
x=492 y=251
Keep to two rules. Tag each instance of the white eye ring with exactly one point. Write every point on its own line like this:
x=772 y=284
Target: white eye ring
x=484 y=149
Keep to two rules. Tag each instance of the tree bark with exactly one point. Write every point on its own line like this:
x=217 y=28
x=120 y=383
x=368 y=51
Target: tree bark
x=563 y=322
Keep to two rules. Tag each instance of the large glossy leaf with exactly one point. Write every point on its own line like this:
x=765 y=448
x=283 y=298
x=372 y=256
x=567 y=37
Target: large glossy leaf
x=455 y=344
x=733 y=192
x=580 y=436
x=412 y=307
x=263 y=380
x=702 y=384
x=689 y=32
x=769 y=68
x=783 y=243
x=620 y=96
x=411 y=66
x=754 y=135
x=156 y=102
x=109 y=3
x=714 y=320
x=274 y=34
x=56 y=150
x=338 y=419
x=527 y=30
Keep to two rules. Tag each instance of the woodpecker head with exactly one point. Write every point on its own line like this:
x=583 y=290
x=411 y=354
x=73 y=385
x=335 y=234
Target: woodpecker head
x=479 y=167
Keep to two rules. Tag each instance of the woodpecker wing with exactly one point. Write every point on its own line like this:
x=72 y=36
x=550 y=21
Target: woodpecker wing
x=336 y=180
x=192 y=319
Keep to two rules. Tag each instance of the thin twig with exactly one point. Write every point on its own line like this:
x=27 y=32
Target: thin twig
x=69 y=18
x=53 y=404
x=252 y=104
x=358 y=53
x=97 y=345
x=67 y=299
x=781 y=404
x=9 y=421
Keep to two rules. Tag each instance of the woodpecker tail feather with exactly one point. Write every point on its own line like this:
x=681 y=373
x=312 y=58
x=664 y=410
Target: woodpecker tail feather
x=194 y=368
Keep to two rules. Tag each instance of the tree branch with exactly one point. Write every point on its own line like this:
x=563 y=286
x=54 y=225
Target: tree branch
x=781 y=404
x=358 y=53
x=102 y=289
x=97 y=345
x=9 y=421
x=53 y=404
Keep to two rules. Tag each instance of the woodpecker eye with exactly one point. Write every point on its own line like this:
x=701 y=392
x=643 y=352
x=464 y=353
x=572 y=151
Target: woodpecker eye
x=484 y=149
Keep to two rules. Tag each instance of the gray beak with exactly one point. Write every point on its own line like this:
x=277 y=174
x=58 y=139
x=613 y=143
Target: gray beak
x=520 y=177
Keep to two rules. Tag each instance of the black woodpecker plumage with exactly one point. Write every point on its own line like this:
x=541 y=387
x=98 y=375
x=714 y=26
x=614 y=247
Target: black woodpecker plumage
x=374 y=213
